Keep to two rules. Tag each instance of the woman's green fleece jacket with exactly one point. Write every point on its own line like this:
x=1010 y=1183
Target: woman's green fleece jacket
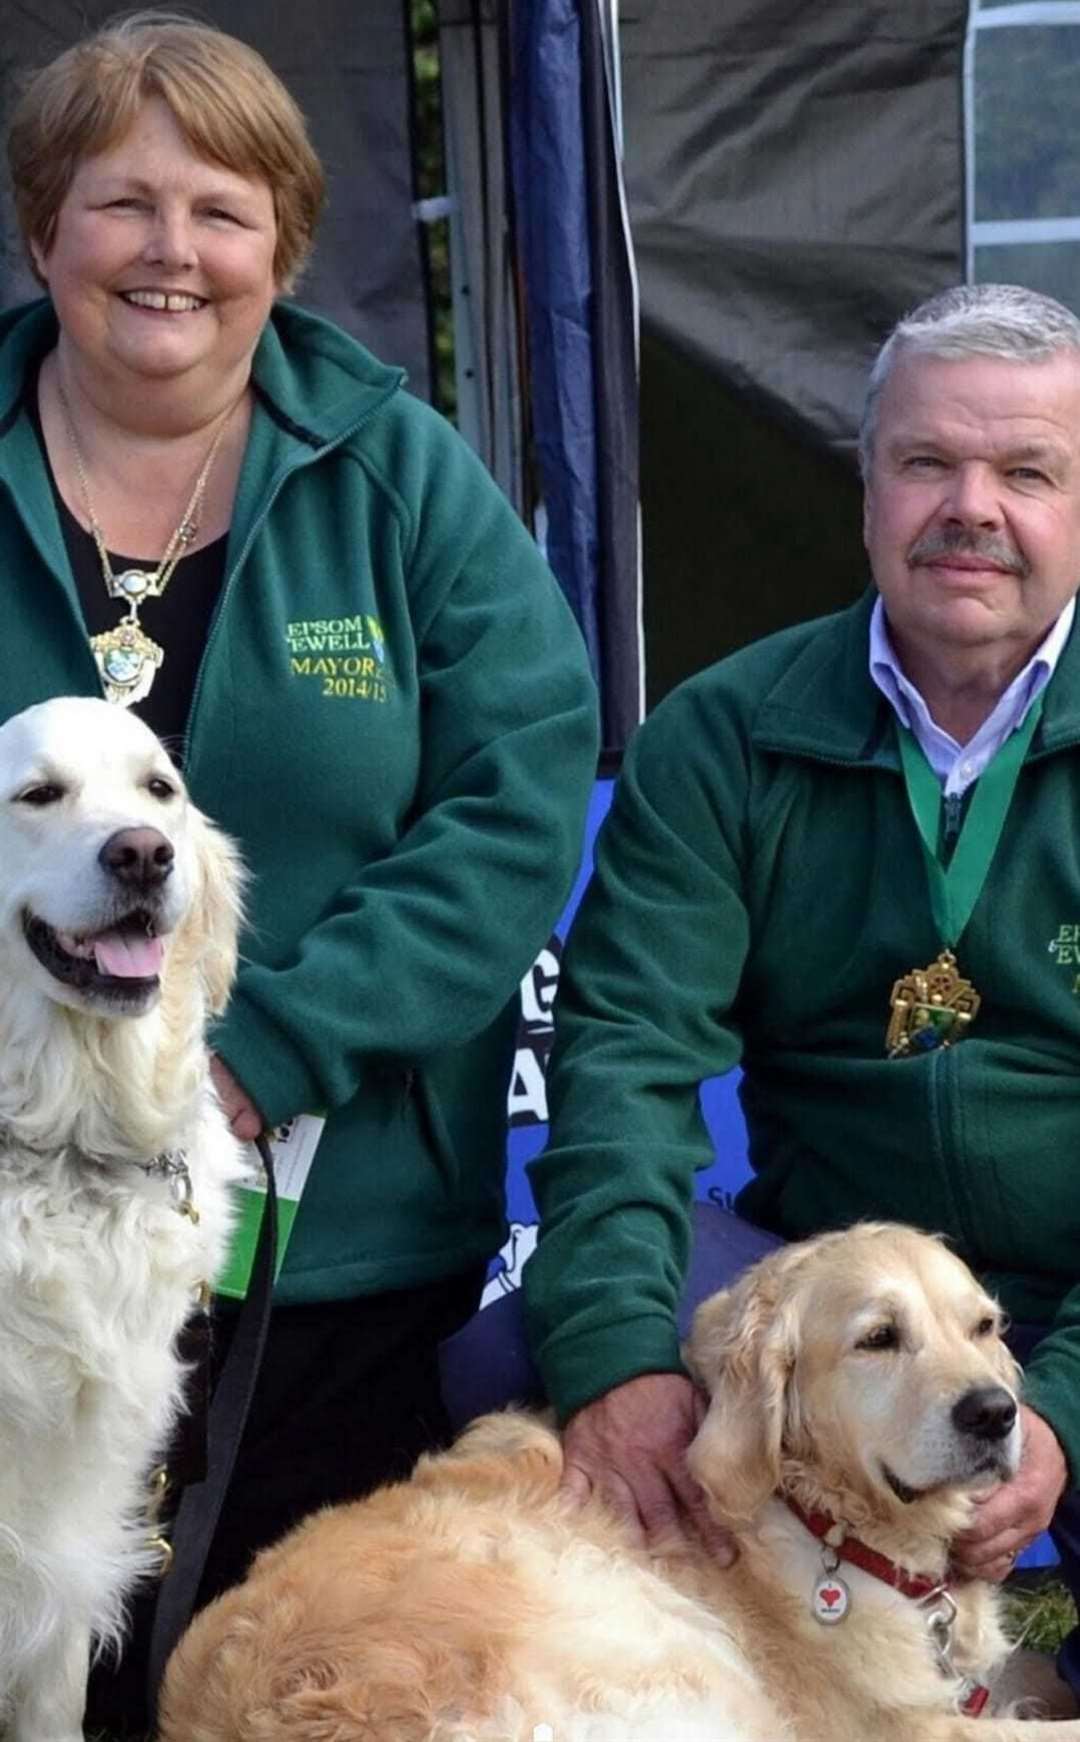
x=395 y=718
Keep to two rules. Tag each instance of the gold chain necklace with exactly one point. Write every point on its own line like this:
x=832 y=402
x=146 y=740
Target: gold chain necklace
x=126 y=657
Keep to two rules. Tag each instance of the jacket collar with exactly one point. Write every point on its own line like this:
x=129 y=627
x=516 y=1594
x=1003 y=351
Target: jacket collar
x=825 y=706
x=315 y=384
x=313 y=379
x=27 y=332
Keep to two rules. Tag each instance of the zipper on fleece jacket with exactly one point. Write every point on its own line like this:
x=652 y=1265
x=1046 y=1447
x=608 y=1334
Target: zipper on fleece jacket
x=952 y=811
x=942 y=1091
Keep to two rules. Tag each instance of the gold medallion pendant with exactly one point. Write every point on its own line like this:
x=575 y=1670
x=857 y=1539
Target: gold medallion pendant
x=930 y=1008
x=128 y=661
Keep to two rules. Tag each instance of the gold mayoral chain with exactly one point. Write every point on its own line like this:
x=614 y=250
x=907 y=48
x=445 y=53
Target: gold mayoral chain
x=126 y=657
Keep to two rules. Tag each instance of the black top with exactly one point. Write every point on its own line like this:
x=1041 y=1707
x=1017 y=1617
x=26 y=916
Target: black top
x=179 y=621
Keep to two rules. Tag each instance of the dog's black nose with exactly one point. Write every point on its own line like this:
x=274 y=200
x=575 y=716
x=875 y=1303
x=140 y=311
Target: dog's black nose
x=138 y=858
x=987 y=1412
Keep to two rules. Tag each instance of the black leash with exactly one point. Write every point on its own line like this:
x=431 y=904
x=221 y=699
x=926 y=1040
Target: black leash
x=200 y=1505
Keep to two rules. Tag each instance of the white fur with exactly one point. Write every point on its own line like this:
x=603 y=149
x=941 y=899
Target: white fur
x=98 y=1269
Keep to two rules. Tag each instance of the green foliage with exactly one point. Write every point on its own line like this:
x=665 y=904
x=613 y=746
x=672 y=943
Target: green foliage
x=430 y=184
x=1039 y=1612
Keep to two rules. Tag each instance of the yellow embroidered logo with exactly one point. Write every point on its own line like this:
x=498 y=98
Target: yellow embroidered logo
x=1065 y=949
x=345 y=655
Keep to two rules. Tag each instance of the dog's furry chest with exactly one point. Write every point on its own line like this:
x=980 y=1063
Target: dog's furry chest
x=880 y=1660
x=98 y=1270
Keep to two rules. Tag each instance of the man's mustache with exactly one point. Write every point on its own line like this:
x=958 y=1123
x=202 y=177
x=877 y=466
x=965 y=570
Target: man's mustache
x=956 y=541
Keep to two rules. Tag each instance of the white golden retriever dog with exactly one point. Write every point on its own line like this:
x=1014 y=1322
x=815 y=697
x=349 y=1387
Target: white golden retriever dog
x=118 y=914
x=860 y=1376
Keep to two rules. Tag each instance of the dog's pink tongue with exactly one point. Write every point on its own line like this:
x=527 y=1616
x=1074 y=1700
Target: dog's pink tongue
x=128 y=956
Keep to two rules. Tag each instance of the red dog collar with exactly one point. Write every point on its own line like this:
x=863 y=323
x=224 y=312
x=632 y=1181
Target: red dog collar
x=920 y=1587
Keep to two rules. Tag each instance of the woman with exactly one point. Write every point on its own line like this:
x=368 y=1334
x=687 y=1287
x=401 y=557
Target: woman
x=224 y=513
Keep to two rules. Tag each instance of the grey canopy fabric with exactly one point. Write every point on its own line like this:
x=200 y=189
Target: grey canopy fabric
x=348 y=69
x=796 y=181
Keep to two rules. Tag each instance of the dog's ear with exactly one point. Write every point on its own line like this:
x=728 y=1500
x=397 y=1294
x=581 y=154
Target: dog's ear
x=217 y=909
x=742 y=1349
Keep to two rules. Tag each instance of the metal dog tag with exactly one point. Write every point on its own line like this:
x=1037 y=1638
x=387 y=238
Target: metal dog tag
x=830 y=1600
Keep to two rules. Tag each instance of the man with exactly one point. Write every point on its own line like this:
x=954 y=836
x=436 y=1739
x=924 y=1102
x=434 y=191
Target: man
x=800 y=831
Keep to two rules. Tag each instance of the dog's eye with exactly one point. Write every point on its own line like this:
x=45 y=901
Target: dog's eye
x=39 y=796
x=881 y=1337
x=986 y=1327
x=161 y=788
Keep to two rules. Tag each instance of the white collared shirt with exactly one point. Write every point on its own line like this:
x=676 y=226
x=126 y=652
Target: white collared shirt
x=958 y=765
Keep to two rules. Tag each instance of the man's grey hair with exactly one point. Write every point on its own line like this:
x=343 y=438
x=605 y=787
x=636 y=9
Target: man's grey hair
x=971 y=320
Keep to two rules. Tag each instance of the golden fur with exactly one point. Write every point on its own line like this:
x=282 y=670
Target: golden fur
x=475 y=1602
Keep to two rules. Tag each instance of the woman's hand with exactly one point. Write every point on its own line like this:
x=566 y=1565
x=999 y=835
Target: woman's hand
x=245 y=1120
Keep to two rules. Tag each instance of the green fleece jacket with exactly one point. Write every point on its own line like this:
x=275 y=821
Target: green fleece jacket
x=395 y=717
x=759 y=888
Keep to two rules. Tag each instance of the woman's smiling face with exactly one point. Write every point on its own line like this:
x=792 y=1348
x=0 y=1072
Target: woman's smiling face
x=162 y=262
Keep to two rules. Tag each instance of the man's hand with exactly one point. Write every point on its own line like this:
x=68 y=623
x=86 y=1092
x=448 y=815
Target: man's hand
x=245 y=1120
x=1012 y=1515
x=630 y=1448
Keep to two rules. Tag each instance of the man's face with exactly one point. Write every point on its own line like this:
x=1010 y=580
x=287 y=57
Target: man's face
x=972 y=511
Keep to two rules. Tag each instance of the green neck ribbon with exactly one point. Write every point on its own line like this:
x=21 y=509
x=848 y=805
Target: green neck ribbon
x=955 y=888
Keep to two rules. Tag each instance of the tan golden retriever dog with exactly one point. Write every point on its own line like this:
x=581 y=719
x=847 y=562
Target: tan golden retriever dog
x=118 y=915
x=860 y=1374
